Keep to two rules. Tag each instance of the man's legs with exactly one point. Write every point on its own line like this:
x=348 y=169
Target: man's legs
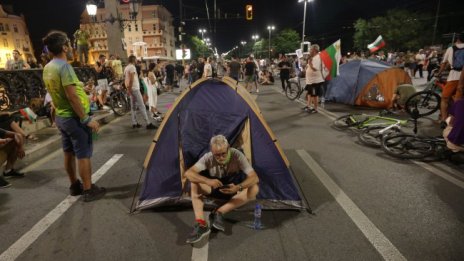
x=11 y=159
x=283 y=84
x=240 y=199
x=137 y=96
x=197 y=191
x=85 y=172
x=448 y=91
x=70 y=166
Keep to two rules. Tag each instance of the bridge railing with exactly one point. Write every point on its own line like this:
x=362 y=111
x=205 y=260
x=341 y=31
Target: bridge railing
x=25 y=88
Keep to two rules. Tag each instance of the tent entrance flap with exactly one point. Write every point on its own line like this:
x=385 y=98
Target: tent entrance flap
x=197 y=127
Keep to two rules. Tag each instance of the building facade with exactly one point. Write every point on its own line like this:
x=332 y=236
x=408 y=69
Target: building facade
x=13 y=35
x=151 y=36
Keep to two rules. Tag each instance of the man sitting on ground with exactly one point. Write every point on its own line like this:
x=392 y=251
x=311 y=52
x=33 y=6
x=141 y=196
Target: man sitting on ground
x=223 y=173
x=11 y=148
x=401 y=96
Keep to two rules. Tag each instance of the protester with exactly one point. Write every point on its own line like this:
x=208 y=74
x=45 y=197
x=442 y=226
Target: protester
x=152 y=84
x=284 y=67
x=401 y=95
x=223 y=173
x=81 y=41
x=133 y=89
x=454 y=58
x=116 y=66
x=72 y=119
x=103 y=75
x=207 y=69
x=17 y=63
x=314 y=79
x=170 y=71
x=11 y=148
x=234 y=69
x=250 y=68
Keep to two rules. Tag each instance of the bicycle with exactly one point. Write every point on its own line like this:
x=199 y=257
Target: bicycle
x=119 y=100
x=294 y=89
x=426 y=102
x=411 y=146
x=362 y=121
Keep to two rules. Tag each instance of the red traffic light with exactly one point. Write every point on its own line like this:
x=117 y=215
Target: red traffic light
x=249 y=12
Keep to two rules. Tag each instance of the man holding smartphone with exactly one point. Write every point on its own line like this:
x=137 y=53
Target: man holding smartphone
x=223 y=173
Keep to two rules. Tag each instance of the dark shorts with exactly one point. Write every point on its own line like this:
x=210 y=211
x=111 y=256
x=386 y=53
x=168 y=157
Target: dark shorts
x=75 y=137
x=231 y=179
x=314 y=89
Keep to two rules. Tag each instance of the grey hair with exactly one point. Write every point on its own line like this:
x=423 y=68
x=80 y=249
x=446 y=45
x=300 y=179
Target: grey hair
x=219 y=141
x=316 y=46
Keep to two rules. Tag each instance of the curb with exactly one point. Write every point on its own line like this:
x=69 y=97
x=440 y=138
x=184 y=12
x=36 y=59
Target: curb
x=53 y=143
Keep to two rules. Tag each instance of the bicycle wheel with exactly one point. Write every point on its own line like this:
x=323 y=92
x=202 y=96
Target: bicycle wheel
x=350 y=120
x=425 y=102
x=119 y=103
x=372 y=138
x=407 y=146
x=292 y=91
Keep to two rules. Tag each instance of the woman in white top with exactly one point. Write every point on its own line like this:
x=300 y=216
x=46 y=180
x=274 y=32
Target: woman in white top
x=314 y=79
x=208 y=70
x=152 y=92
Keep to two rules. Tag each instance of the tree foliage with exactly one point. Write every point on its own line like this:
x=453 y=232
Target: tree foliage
x=402 y=30
x=286 y=41
x=197 y=47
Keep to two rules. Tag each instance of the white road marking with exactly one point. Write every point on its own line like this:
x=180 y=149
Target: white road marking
x=440 y=173
x=380 y=242
x=15 y=250
x=201 y=253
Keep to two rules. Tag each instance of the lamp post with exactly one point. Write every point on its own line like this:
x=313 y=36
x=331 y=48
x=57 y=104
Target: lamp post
x=304 y=18
x=202 y=32
x=270 y=28
x=255 y=38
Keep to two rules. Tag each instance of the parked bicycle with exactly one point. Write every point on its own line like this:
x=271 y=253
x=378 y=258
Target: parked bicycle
x=426 y=102
x=119 y=100
x=294 y=88
x=411 y=146
x=362 y=121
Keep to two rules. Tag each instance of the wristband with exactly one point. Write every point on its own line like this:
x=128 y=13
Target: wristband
x=86 y=120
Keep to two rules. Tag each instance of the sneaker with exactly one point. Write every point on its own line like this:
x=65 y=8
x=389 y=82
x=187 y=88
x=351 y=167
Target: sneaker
x=134 y=126
x=76 y=188
x=158 y=118
x=151 y=126
x=94 y=193
x=305 y=108
x=4 y=183
x=199 y=232
x=218 y=221
x=312 y=111
x=13 y=174
x=443 y=125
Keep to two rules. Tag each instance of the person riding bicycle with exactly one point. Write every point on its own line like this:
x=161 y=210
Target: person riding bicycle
x=401 y=95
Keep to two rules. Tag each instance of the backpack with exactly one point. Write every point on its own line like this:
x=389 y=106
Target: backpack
x=458 y=58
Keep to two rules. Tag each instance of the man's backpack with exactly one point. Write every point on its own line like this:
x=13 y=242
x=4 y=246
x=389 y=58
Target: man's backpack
x=458 y=58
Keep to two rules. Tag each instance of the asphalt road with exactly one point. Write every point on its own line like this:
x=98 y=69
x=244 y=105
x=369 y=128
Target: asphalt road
x=366 y=205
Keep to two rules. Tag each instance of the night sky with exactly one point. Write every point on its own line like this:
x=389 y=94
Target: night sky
x=327 y=20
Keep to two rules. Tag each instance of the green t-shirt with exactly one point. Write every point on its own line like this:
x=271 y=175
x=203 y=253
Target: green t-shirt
x=81 y=37
x=58 y=74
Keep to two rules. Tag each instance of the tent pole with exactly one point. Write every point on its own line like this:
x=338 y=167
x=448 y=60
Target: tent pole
x=132 y=210
x=310 y=211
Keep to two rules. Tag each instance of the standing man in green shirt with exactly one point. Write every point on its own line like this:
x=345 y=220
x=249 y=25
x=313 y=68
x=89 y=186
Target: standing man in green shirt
x=81 y=38
x=72 y=119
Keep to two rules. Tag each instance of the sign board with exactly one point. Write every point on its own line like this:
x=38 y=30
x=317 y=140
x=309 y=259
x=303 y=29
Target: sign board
x=305 y=47
x=185 y=54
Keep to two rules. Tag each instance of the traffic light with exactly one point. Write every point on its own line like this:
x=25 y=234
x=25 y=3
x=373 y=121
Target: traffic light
x=249 y=12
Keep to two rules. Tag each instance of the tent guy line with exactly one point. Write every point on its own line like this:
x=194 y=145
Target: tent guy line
x=15 y=250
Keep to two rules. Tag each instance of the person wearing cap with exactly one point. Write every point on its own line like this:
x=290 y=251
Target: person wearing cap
x=17 y=63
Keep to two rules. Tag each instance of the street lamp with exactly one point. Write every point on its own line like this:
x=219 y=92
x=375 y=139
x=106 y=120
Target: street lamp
x=134 y=5
x=270 y=28
x=304 y=17
x=202 y=31
x=91 y=7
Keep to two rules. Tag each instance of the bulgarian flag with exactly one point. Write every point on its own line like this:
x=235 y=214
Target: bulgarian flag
x=28 y=114
x=330 y=58
x=378 y=44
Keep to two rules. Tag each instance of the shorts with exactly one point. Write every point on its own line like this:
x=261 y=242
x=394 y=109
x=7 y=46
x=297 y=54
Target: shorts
x=314 y=89
x=451 y=89
x=249 y=78
x=75 y=137
x=102 y=85
x=230 y=179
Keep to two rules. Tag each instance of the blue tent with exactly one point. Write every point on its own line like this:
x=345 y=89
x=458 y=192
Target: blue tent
x=366 y=82
x=210 y=107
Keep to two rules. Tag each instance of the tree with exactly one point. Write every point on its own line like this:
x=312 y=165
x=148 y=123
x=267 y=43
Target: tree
x=197 y=47
x=286 y=41
x=402 y=30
